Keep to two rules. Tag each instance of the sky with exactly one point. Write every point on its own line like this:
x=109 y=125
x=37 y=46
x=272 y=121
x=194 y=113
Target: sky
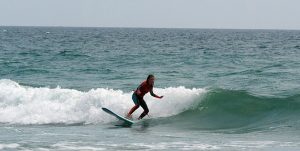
x=220 y=14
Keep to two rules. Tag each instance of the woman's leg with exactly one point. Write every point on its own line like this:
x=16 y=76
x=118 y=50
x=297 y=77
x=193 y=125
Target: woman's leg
x=145 y=107
x=135 y=100
x=132 y=110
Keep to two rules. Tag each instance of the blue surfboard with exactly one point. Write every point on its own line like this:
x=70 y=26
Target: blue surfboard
x=121 y=118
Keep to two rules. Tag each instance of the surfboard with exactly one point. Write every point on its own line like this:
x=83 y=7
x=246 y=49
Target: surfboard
x=121 y=118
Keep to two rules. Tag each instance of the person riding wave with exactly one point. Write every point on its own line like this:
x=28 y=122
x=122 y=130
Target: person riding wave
x=138 y=96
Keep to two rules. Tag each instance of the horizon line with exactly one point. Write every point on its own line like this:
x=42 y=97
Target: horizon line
x=136 y=27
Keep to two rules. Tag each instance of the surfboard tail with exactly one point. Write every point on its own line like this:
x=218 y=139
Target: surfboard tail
x=121 y=118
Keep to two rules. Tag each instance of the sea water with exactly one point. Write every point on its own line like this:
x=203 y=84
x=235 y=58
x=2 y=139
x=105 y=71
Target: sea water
x=223 y=89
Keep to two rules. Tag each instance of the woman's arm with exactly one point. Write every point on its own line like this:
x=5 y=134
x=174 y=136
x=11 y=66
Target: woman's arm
x=154 y=95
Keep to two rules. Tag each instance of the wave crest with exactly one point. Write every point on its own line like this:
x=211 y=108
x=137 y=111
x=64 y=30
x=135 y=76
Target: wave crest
x=29 y=105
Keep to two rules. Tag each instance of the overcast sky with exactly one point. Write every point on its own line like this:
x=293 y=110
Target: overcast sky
x=234 y=14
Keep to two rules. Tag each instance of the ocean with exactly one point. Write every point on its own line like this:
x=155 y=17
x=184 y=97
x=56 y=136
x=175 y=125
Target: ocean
x=223 y=89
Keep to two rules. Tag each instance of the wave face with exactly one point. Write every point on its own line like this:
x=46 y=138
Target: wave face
x=228 y=109
x=29 y=105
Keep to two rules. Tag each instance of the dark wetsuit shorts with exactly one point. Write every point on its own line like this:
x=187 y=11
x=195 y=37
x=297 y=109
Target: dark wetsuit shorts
x=139 y=101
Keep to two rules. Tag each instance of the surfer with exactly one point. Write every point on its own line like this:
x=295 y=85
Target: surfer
x=138 y=96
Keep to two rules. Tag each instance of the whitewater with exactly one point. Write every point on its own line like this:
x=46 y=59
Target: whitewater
x=28 y=105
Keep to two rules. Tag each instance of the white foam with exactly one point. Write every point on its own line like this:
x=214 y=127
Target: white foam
x=9 y=146
x=75 y=146
x=136 y=146
x=27 y=105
